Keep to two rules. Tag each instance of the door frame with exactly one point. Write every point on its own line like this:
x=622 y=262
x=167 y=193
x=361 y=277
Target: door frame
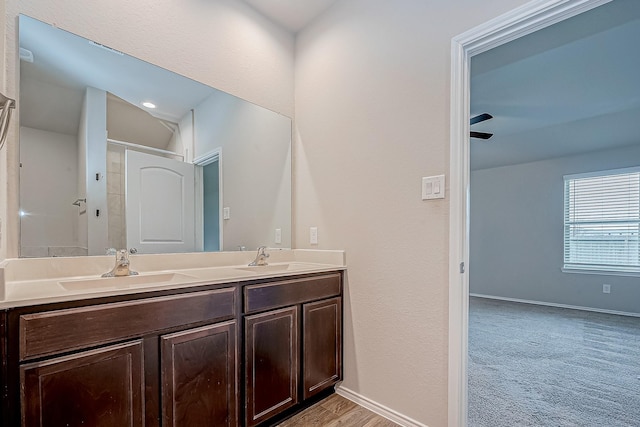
x=214 y=155
x=517 y=23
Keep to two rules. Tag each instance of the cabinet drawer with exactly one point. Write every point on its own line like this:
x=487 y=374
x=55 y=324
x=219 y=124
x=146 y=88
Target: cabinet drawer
x=51 y=332
x=289 y=292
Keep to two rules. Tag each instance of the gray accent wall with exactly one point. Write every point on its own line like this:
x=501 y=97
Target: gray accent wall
x=516 y=234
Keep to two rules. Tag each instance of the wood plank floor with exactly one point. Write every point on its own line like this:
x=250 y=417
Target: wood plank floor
x=335 y=411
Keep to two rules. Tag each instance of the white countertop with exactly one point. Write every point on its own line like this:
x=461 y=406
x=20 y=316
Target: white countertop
x=25 y=282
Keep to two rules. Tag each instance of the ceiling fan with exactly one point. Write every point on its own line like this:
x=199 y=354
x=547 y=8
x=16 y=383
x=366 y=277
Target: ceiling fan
x=477 y=119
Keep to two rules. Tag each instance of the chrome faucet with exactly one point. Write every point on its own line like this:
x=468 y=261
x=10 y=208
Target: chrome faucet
x=261 y=258
x=122 y=266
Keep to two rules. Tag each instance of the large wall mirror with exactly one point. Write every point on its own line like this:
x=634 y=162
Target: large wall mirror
x=118 y=153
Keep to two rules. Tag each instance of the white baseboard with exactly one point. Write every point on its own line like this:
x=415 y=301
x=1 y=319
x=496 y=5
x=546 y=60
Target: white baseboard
x=552 y=304
x=379 y=409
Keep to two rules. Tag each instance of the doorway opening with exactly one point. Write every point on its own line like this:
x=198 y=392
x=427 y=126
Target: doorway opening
x=520 y=22
x=209 y=200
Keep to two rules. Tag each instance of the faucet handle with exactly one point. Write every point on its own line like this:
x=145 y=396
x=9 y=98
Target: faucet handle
x=262 y=252
x=260 y=257
x=123 y=254
x=110 y=251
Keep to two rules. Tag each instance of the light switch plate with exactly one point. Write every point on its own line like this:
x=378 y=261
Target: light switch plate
x=226 y=213
x=433 y=187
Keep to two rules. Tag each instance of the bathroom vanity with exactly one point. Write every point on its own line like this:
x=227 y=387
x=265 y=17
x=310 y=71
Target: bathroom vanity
x=245 y=350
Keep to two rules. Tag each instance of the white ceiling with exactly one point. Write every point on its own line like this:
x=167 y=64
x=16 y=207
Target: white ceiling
x=52 y=86
x=291 y=14
x=64 y=64
x=571 y=88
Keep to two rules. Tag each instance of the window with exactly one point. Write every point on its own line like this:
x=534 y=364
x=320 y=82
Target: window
x=602 y=221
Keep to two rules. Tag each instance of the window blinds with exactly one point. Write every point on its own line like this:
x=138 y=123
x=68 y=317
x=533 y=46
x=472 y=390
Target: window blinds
x=602 y=221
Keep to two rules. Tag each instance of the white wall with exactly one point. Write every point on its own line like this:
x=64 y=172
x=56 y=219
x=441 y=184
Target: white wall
x=83 y=222
x=94 y=139
x=256 y=168
x=9 y=153
x=372 y=115
x=372 y=104
x=48 y=180
x=516 y=235
x=221 y=43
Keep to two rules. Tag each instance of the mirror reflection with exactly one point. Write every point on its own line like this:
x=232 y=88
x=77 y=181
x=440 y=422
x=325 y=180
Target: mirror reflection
x=118 y=153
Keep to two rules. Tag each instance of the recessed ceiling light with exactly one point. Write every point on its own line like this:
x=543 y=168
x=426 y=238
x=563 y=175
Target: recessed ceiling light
x=149 y=104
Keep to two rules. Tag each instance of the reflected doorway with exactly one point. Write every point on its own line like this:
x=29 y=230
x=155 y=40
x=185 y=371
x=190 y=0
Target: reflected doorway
x=209 y=200
x=211 y=206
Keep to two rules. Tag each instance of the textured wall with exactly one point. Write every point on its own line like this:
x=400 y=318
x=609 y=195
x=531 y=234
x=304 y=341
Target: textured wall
x=372 y=116
x=372 y=107
x=256 y=168
x=51 y=174
x=517 y=234
x=4 y=182
x=222 y=43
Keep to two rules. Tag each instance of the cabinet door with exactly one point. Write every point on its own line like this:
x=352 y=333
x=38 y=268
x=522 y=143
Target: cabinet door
x=271 y=363
x=322 y=345
x=102 y=387
x=200 y=377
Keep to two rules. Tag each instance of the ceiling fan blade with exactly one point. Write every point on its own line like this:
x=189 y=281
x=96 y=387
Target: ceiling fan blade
x=481 y=135
x=480 y=118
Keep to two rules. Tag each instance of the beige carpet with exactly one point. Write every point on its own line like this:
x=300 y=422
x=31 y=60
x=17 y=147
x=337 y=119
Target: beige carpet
x=531 y=365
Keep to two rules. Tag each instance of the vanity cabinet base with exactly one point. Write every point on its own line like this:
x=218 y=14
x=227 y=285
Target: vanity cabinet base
x=293 y=350
x=182 y=357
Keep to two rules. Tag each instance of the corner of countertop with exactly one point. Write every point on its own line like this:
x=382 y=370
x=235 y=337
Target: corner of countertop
x=3 y=288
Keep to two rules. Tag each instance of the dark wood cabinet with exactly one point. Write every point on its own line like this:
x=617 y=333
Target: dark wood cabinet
x=190 y=357
x=199 y=377
x=271 y=363
x=55 y=331
x=101 y=387
x=289 y=360
x=322 y=345
x=178 y=365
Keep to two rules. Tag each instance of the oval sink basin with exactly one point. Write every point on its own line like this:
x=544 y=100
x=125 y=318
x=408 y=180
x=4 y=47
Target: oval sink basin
x=126 y=281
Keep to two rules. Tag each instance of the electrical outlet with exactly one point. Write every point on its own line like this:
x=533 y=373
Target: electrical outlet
x=606 y=289
x=278 y=236
x=313 y=235
x=226 y=213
